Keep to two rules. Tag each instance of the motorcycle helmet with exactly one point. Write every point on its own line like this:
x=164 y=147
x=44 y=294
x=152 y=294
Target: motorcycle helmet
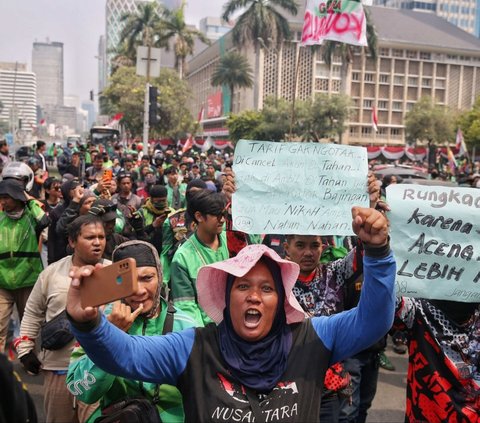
x=19 y=171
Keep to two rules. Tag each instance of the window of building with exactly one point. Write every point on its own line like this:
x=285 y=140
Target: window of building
x=397 y=52
x=366 y=131
x=336 y=85
x=368 y=77
x=355 y=102
x=367 y=104
x=411 y=54
x=397 y=105
x=398 y=80
x=383 y=79
x=382 y=131
x=426 y=82
x=440 y=83
x=384 y=51
x=353 y=130
x=410 y=106
x=355 y=76
x=336 y=71
x=425 y=55
x=382 y=104
x=413 y=81
x=395 y=132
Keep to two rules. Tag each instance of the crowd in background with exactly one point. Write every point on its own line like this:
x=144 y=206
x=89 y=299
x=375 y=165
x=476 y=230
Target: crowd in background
x=171 y=210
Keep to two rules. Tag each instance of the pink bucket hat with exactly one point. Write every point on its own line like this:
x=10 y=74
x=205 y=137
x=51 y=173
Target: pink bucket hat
x=211 y=281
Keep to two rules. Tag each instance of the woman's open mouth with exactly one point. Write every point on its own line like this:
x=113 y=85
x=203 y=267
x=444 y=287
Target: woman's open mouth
x=252 y=318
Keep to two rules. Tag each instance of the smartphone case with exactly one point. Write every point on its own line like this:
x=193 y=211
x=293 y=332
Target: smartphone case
x=110 y=283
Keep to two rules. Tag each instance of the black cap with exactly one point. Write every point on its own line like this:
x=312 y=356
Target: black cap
x=106 y=209
x=13 y=189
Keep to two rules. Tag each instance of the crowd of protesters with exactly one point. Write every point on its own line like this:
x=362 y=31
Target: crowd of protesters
x=170 y=210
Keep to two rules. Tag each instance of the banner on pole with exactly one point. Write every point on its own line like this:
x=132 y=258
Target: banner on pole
x=435 y=236
x=336 y=20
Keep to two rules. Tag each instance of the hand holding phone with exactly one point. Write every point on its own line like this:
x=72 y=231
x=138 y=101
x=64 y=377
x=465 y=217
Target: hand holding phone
x=109 y=283
x=107 y=175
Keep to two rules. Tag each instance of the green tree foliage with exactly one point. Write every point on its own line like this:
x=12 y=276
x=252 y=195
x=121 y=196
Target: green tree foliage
x=244 y=125
x=140 y=27
x=126 y=92
x=469 y=122
x=172 y=27
x=234 y=71
x=429 y=123
x=261 y=19
x=321 y=119
x=325 y=117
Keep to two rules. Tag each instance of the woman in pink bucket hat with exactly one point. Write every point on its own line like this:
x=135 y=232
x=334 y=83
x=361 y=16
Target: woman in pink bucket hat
x=261 y=360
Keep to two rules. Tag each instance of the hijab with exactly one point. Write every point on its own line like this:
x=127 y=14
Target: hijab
x=260 y=364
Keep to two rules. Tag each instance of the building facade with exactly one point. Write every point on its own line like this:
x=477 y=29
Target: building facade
x=47 y=64
x=114 y=10
x=18 y=95
x=462 y=13
x=419 y=54
x=214 y=27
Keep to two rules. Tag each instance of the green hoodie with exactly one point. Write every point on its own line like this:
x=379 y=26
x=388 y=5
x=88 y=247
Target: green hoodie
x=20 y=262
x=90 y=384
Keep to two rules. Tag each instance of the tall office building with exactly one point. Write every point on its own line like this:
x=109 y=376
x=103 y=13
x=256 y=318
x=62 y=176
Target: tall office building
x=47 y=64
x=18 y=94
x=462 y=13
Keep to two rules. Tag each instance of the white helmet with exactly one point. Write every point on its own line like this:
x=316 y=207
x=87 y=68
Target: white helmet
x=19 y=171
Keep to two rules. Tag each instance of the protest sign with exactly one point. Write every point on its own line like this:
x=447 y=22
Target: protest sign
x=435 y=236
x=298 y=188
x=337 y=20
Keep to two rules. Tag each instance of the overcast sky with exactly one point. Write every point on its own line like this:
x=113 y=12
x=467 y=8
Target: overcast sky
x=76 y=23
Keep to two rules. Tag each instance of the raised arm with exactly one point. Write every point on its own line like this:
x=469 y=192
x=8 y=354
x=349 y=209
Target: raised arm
x=349 y=332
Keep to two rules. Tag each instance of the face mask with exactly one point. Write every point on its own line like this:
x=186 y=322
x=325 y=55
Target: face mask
x=160 y=205
x=15 y=215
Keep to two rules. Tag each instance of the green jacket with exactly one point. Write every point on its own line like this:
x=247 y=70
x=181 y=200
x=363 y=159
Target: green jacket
x=88 y=383
x=20 y=262
x=183 y=189
x=186 y=262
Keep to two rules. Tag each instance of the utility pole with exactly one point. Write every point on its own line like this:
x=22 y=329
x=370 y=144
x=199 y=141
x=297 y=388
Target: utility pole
x=148 y=65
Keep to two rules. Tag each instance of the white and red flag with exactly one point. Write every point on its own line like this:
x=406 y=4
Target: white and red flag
x=374 y=119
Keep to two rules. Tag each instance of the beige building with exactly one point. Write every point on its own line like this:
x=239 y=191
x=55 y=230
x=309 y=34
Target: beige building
x=418 y=54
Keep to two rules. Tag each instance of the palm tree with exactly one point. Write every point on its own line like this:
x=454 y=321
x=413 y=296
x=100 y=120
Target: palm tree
x=140 y=27
x=173 y=26
x=234 y=71
x=261 y=24
x=122 y=56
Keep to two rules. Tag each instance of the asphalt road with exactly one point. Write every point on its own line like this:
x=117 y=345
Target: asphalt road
x=388 y=406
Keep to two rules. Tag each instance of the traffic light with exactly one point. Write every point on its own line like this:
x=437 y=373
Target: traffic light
x=153 y=106
x=91 y=95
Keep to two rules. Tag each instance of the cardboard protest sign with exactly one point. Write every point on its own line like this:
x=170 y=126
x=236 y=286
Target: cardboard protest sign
x=337 y=20
x=435 y=236
x=298 y=188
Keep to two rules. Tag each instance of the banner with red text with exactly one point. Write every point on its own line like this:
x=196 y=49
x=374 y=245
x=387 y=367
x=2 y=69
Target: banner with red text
x=336 y=20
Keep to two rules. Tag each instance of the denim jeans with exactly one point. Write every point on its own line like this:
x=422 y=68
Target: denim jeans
x=363 y=369
x=330 y=408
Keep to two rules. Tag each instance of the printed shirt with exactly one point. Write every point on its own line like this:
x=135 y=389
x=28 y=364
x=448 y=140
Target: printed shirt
x=324 y=294
x=186 y=262
x=209 y=391
x=444 y=364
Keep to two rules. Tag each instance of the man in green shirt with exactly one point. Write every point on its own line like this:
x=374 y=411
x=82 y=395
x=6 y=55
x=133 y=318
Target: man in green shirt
x=207 y=245
x=144 y=313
